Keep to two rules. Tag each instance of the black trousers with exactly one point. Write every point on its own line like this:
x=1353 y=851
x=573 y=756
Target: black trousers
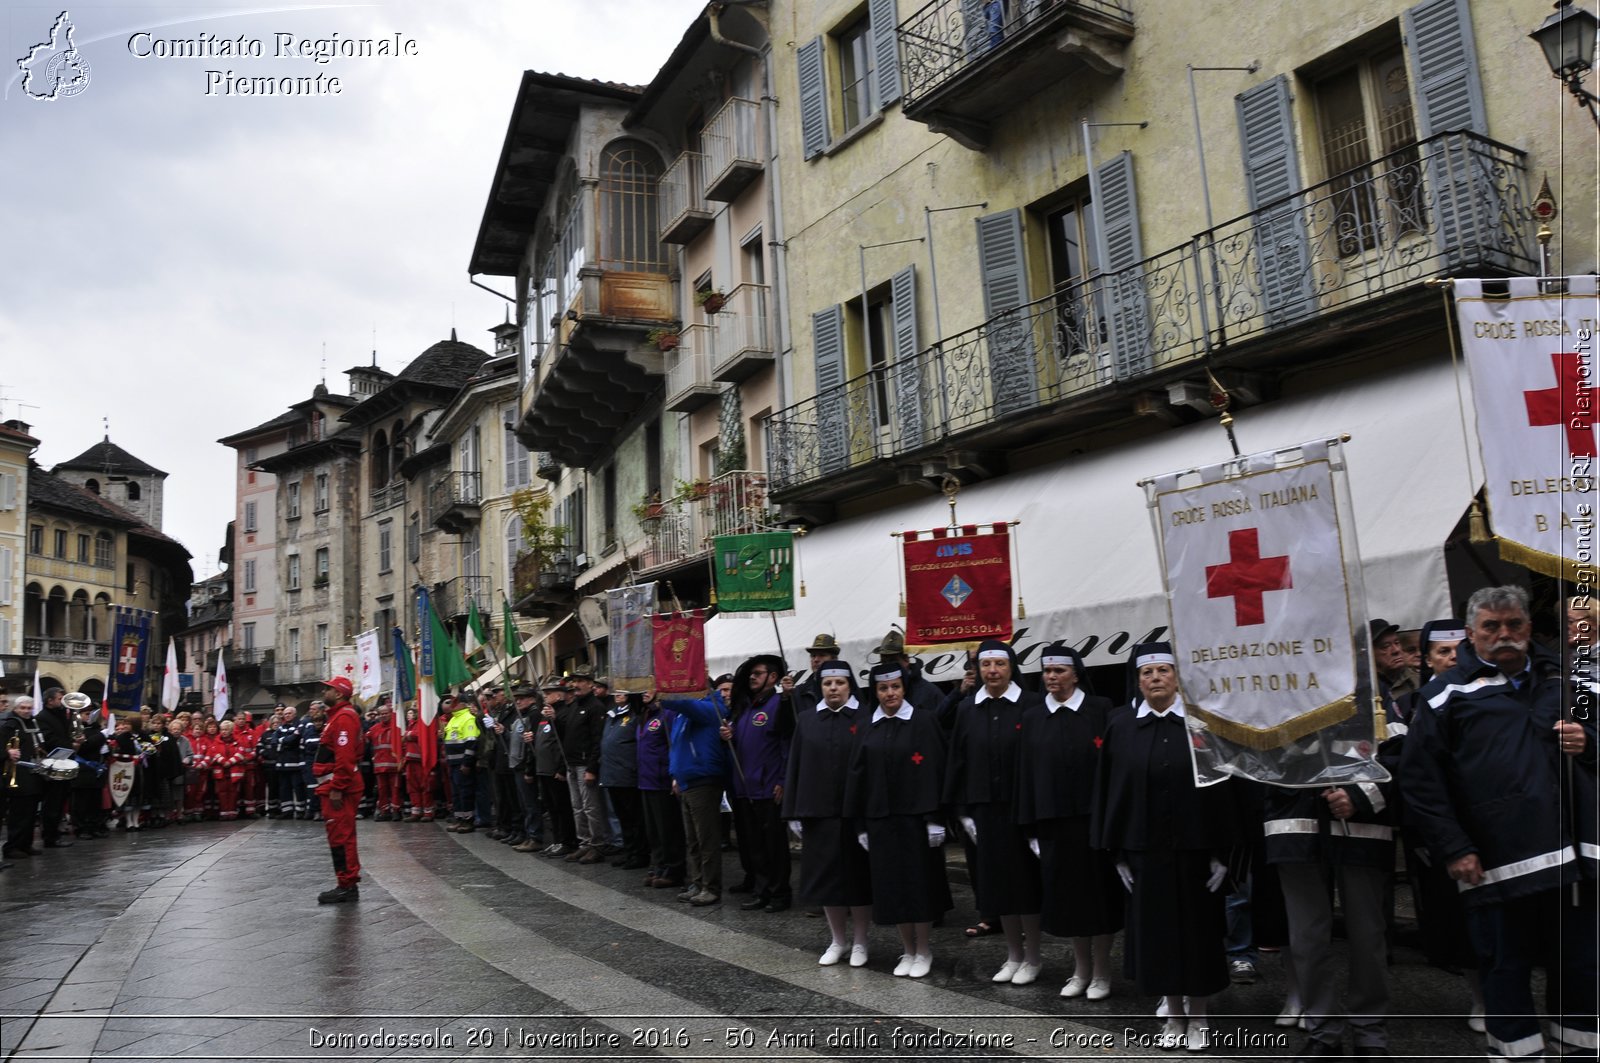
x=21 y=818
x=558 y=803
x=53 y=808
x=625 y=802
x=763 y=845
x=508 y=811
x=663 y=822
x=87 y=815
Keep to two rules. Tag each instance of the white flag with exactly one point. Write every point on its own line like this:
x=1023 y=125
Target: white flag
x=219 y=690
x=38 y=697
x=369 y=667
x=169 y=679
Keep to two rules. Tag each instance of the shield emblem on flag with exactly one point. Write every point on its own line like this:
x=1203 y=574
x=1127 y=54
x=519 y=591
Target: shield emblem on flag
x=128 y=657
x=121 y=777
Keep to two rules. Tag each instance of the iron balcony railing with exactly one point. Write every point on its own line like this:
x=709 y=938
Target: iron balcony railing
x=387 y=496
x=732 y=504
x=452 y=597
x=947 y=37
x=690 y=384
x=731 y=146
x=454 y=489
x=286 y=673
x=683 y=198
x=1450 y=203
x=743 y=333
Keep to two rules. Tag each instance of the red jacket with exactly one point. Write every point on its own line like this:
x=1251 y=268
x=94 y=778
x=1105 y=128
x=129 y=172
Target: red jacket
x=385 y=739
x=338 y=763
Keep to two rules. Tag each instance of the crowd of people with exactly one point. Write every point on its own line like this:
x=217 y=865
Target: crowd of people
x=1080 y=816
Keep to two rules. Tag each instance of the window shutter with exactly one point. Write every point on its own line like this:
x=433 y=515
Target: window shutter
x=7 y=560
x=1445 y=67
x=1003 y=270
x=1272 y=175
x=906 y=374
x=1128 y=307
x=886 y=51
x=813 y=99
x=827 y=346
x=8 y=490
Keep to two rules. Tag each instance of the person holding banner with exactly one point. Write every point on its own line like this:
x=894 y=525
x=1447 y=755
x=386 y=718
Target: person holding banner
x=663 y=820
x=1171 y=840
x=1061 y=740
x=338 y=773
x=893 y=795
x=1501 y=783
x=834 y=871
x=980 y=782
x=758 y=728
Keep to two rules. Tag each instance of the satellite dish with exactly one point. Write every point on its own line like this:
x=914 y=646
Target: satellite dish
x=592 y=618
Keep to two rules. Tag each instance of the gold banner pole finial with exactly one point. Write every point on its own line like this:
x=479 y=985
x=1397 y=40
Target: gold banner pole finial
x=951 y=487
x=1220 y=401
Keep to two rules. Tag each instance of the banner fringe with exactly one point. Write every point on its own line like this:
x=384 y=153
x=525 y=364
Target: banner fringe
x=1281 y=735
x=1567 y=568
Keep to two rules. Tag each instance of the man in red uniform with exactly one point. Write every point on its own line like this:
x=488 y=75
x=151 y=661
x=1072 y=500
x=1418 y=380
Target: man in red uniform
x=338 y=773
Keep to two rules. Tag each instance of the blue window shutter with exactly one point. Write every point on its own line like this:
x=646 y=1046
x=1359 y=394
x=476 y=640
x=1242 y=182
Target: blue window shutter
x=1128 y=307
x=813 y=98
x=910 y=396
x=886 y=51
x=1272 y=181
x=1002 y=268
x=1444 y=63
x=827 y=352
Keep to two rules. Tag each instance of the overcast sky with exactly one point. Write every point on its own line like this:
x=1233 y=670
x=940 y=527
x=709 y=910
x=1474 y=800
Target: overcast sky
x=177 y=260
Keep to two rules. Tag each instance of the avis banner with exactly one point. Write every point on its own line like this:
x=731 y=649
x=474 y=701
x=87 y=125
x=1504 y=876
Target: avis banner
x=958 y=584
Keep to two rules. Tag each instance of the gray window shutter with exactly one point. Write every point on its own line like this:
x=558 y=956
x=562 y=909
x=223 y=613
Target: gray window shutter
x=1003 y=270
x=827 y=351
x=813 y=99
x=1444 y=64
x=886 y=51
x=1128 y=307
x=1272 y=181
x=910 y=419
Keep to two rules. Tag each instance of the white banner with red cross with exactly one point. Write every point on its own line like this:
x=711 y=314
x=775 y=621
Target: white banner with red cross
x=1529 y=345
x=1264 y=589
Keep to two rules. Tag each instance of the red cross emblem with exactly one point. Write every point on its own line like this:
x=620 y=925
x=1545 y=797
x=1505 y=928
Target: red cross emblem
x=1098 y=741
x=128 y=659
x=1247 y=577
x=349 y=666
x=916 y=758
x=1569 y=404
x=852 y=728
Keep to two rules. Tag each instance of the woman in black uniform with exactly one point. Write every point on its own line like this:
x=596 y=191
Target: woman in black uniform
x=893 y=796
x=1171 y=841
x=980 y=784
x=1062 y=737
x=833 y=866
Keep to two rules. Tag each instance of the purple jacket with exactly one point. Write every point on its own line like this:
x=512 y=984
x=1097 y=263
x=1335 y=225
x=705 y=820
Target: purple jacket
x=761 y=746
x=654 y=747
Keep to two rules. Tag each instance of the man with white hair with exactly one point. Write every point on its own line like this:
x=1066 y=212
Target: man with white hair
x=1501 y=783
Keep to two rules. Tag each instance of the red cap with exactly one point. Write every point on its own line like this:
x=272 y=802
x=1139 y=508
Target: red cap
x=341 y=684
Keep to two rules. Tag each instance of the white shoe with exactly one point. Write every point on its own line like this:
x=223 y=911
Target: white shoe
x=1161 y=1008
x=1475 y=1020
x=1006 y=972
x=1198 y=1038
x=834 y=954
x=1172 y=1035
x=1290 y=1015
x=1026 y=973
x=858 y=955
x=903 y=968
x=921 y=965
x=1075 y=987
x=1099 y=989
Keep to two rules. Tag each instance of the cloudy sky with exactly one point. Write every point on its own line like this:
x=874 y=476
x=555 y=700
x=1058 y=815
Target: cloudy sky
x=179 y=257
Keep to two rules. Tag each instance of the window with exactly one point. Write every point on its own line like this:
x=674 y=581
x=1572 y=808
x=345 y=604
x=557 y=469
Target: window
x=519 y=465
x=319 y=498
x=36 y=539
x=8 y=491
x=249 y=577
x=378 y=460
x=513 y=541
x=608 y=503
x=855 y=74
x=1368 y=140
x=247 y=632
x=293 y=578
x=385 y=545
x=754 y=257
x=321 y=566
x=133 y=491
x=866 y=56
x=292 y=500
x=60 y=541
x=471 y=560
x=630 y=228
x=83 y=549
x=249 y=516
x=293 y=645
x=322 y=642
x=251 y=455
x=383 y=619
x=414 y=538
x=103 y=548
x=131 y=576
x=92 y=485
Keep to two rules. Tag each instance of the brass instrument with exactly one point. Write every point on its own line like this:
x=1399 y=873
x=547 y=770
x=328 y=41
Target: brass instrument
x=11 y=766
x=75 y=703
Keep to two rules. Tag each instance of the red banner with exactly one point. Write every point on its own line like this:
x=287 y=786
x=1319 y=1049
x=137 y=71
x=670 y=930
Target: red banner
x=958 y=585
x=680 y=652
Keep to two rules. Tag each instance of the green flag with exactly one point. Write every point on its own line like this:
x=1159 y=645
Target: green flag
x=449 y=667
x=477 y=631
x=513 y=645
x=755 y=573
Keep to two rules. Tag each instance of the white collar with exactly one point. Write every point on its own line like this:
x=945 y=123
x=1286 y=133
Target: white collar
x=1013 y=692
x=1074 y=700
x=1175 y=709
x=906 y=709
x=852 y=703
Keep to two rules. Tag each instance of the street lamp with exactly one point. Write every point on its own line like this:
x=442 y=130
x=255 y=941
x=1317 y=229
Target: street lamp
x=1568 y=38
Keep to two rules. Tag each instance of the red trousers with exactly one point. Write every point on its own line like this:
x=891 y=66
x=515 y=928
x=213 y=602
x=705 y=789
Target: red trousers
x=250 y=790
x=419 y=789
x=388 y=790
x=194 y=797
x=341 y=826
x=227 y=788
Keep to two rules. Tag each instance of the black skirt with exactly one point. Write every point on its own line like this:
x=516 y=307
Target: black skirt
x=1175 y=926
x=1008 y=872
x=1082 y=894
x=833 y=867
x=908 y=877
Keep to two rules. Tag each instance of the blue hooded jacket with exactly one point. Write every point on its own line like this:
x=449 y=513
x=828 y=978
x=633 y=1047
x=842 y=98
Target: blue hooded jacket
x=698 y=754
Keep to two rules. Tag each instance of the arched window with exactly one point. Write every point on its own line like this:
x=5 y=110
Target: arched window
x=380 y=459
x=630 y=235
x=100 y=618
x=55 y=614
x=133 y=491
x=397 y=444
x=78 y=619
x=92 y=484
x=33 y=614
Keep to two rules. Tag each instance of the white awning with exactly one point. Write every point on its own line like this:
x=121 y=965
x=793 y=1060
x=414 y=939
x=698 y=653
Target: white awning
x=1087 y=554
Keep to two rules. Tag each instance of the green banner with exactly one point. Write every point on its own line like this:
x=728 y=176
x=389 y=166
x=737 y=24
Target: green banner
x=755 y=573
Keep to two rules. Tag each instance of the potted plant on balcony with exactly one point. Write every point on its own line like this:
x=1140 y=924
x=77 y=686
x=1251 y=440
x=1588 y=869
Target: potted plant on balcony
x=665 y=339
x=712 y=300
x=542 y=541
x=650 y=507
x=693 y=489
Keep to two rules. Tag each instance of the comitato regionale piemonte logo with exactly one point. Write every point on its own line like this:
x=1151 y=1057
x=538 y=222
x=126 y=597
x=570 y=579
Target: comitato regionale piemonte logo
x=54 y=69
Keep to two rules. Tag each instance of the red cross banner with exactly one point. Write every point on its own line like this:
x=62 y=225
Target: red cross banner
x=130 y=650
x=1529 y=347
x=1266 y=604
x=680 y=653
x=958 y=584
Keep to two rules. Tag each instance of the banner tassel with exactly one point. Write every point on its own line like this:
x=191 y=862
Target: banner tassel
x=1477 y=525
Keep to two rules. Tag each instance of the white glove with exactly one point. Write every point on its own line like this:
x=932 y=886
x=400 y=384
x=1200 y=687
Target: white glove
x=971 y=828
x=935 y=835
x=1125 y=873
x=794 y=825
x=1218 y=873
x=861 y=839
x=1033 y=844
